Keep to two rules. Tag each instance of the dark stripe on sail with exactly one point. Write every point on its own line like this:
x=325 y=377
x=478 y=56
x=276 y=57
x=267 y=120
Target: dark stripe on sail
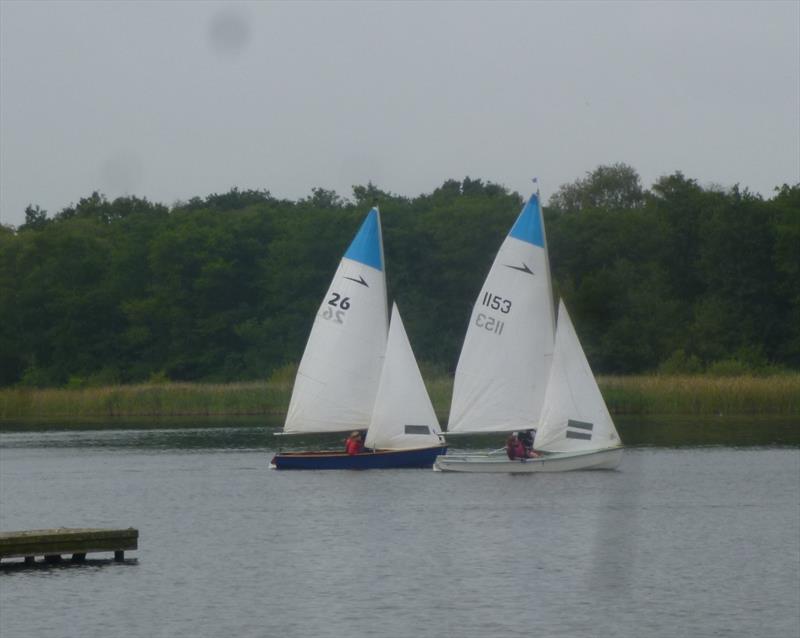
x=417 y=429
x=583 y=425
x=579 y=435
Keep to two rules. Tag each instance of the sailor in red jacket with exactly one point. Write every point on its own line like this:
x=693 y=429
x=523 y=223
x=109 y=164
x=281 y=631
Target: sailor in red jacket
x=353 y=444
x=516 y=449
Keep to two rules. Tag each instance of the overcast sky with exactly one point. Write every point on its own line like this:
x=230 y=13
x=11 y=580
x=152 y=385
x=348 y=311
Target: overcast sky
x=177 y=99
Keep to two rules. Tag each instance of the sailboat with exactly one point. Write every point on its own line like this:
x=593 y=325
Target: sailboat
x=357 y=374
x=520 y=371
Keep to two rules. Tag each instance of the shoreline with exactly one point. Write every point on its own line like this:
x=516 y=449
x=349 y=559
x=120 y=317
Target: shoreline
x=697 y=395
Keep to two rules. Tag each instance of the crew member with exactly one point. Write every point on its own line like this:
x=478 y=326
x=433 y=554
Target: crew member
x=353 y=444
x=514 y=447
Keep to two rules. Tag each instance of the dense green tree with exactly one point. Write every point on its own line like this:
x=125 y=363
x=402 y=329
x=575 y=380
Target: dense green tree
x=12 y=361
x=611 y=188
x=234 y=199
x=786 y=259
x=322 y=199
x=35 y=218
x=66 y=317
x=226 y=287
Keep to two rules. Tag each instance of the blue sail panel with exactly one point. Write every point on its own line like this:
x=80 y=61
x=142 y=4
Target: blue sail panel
x=366 y=245
x=528 y=226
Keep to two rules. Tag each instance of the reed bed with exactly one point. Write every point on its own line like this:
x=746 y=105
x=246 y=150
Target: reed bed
x=147 y=400
x=663 y=395
x=699 y=394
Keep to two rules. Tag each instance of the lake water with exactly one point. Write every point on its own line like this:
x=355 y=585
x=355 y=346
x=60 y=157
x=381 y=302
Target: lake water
x=680 y=541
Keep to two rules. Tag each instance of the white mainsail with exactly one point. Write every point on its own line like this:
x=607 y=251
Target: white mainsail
x=505 y=361
x=403 y=416
x=574 y=416
x=337 y=379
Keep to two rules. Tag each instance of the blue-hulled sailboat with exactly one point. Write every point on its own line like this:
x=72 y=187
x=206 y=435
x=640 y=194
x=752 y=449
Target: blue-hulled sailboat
x=357 y=373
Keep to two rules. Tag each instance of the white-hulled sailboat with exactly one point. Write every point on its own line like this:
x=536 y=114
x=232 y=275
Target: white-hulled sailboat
x=357 y=375
x=517 y=372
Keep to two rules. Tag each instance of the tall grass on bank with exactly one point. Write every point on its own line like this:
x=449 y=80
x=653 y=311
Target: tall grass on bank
x=699 y=394
x=676 y=394
x=689 y=395
x=148 y=400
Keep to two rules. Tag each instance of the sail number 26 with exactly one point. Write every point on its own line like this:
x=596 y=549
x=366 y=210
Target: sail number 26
x=337 y=305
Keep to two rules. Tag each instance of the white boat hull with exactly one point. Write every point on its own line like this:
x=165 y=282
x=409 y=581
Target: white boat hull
x=607 y=459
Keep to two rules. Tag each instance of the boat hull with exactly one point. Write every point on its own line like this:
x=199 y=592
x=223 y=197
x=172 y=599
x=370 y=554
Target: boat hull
x=370 y=460
x=607 y=459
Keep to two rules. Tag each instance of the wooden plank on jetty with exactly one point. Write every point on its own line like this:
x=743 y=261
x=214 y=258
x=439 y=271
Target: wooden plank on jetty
x=52 y=543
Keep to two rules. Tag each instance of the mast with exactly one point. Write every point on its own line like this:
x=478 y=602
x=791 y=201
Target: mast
x=546 y=254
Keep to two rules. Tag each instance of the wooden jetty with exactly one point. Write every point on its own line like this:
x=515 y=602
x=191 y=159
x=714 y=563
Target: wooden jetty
x=52 y=543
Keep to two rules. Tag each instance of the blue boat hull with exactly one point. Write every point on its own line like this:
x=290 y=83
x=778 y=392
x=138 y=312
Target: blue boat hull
x=369 y=460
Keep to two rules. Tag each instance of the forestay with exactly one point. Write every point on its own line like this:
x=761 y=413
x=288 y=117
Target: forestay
x=337 y=379
x=505 y=361
x=574 y=416
x=403 y=416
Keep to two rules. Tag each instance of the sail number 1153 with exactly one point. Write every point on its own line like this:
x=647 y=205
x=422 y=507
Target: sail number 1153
x=496 y=302
x=487 y=322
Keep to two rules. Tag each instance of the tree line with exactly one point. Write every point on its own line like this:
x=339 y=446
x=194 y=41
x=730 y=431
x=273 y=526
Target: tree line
x=675 y=278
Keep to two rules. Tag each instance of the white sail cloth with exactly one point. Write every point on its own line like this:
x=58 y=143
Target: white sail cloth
x=403 y=416
x=574 y=415
x=337 y=379
x=505 y=361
